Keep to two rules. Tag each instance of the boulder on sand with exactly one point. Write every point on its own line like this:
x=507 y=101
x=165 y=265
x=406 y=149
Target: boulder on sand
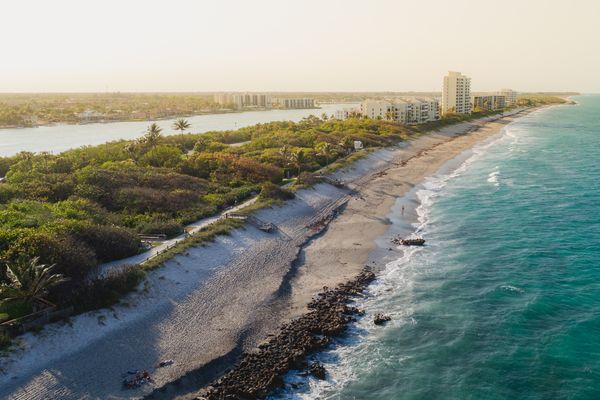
x=318 y=370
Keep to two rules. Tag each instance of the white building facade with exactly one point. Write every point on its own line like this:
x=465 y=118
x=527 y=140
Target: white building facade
x=404 y=111
x=456 y=94
x=346 y=113
x=244 y=100
x=488 y=101
x=510 y=96
x=296 y=103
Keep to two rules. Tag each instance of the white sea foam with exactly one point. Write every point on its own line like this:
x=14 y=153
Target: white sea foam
x=493 y=177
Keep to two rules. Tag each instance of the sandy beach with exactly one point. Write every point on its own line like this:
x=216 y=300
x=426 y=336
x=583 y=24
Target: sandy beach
x=208 y=305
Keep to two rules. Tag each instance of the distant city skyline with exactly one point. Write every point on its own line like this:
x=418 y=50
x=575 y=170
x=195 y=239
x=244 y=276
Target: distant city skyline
x=297 y=46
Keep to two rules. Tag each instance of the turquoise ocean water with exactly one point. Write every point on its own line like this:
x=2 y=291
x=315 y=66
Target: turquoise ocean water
x=504 y=301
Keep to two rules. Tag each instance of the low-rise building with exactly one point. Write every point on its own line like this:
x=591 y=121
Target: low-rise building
x=404 y=111
x=90 y=116
x=488 y=101
x=345 y=113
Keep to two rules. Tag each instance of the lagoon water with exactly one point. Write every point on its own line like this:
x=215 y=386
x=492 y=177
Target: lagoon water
x=504 y=300
x=57 y=138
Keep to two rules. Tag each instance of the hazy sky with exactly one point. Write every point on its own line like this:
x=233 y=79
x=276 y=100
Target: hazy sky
x=300 y=45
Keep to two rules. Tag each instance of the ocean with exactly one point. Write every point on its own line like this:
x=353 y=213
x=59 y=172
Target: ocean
x=503 y=302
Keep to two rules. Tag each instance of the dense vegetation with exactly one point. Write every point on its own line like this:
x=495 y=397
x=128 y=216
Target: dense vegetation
x=34 y=109
x=87 y=206
x=61 y=215
x=537 y=99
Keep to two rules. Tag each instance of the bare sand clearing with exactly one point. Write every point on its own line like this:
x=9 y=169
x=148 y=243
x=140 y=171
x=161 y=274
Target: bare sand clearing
x=205 y=307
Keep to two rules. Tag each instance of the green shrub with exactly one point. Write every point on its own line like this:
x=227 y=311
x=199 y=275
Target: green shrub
x=105 y=292
x=5 y=340
x=165 y=227
x=108 y=242
x=270 y=191
x=15 y=310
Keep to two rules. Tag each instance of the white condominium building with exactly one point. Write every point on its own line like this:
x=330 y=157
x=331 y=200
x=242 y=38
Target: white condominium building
x=488 y=101
x=243 y=100
x=296 y=103
x=511 y=96
x=346 y=113
x=456 y=94
x=404 y=111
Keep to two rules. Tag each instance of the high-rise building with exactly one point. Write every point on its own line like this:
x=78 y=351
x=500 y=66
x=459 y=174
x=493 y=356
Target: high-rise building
x=456 y=94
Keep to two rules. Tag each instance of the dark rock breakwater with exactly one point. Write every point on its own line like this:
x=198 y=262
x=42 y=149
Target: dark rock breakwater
x=260 y=372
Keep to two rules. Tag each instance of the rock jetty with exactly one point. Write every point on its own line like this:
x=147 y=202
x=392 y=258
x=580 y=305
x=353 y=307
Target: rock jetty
x=260 y=372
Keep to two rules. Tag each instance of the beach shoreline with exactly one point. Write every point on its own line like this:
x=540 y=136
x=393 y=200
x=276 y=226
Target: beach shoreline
x=207 y=306
x=358 y=236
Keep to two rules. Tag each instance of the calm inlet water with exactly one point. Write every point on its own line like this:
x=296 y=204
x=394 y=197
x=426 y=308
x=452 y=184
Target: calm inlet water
x=504 y=301
x=58 y=138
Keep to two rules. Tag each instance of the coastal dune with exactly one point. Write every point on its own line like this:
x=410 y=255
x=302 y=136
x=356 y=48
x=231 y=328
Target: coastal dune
x=207 y=306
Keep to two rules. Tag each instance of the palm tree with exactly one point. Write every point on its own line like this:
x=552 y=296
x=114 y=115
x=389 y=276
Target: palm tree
x=181 y=125
x=389 y=115
x=299 y=158
x=324 y=117
x=324 y=149
x=153 y=135
x=131 y=150
x=347 y=144
x=28 y=281
x=284 y=151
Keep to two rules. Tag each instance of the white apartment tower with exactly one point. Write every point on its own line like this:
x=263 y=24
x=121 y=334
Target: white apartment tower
x=511 y=96
x=456 y=95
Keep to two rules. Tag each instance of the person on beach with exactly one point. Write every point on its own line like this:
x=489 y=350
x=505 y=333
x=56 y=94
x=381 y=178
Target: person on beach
x=402 y=212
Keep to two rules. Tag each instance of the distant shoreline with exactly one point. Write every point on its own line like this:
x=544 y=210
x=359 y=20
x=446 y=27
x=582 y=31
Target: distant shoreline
x=175 y=116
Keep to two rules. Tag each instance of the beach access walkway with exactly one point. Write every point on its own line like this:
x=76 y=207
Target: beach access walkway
x=191 y=229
